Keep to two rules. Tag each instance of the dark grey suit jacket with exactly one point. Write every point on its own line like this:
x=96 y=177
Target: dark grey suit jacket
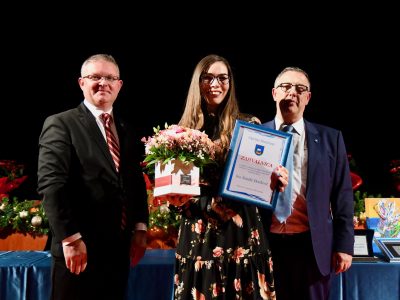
x=329 y=193
x=81 y=190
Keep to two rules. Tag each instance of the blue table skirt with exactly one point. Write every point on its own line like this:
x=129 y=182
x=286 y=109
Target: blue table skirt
x=153 y=277
x=25 y=275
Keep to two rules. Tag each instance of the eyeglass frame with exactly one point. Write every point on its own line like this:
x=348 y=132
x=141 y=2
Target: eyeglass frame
x=109 y=78
x=227 y=77
x=296 y=86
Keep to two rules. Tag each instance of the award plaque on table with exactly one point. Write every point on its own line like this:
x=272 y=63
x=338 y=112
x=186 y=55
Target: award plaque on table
x=363 y=250
x=390 y=247
x=255 y=151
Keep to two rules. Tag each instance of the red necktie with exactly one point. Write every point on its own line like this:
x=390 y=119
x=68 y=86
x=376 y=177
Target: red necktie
x=114 y=150
x=111 y=139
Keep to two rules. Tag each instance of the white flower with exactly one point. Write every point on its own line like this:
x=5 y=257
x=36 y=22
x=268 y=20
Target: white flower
x=164 y=209
x=36 y=221
x=23 y=214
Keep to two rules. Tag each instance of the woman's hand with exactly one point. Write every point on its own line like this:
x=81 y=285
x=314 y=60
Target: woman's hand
x=279 y=178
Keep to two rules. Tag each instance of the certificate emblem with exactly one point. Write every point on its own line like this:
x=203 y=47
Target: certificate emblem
x=259 y=149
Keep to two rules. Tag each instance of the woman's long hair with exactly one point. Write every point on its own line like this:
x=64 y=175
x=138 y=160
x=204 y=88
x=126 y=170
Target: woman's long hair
x=228 y=110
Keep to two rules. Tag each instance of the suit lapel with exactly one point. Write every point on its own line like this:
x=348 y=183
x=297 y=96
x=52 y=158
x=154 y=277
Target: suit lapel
x=89 y=122
x=121 y=134
x=270 y=124
x=314 y=144
x=315 y=149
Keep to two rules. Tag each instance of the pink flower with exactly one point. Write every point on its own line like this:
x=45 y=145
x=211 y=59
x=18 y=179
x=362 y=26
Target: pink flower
x=218 y=251
x=237 y=284
x=239 y=253
x=199 y=227
x=178 y=142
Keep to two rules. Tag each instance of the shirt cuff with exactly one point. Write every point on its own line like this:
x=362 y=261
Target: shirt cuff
x=141 y=226
x=70 y=239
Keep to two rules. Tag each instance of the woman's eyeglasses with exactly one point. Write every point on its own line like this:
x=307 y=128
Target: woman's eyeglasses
x=209 y=78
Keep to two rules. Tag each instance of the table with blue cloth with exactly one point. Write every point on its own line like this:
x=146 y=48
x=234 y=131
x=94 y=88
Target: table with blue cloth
x=25 y=275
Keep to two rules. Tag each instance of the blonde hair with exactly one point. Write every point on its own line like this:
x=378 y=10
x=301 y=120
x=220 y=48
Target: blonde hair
x=97 y=57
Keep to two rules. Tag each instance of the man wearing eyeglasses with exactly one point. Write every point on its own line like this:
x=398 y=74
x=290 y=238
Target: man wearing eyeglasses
x=93 y=190
x=316 y=237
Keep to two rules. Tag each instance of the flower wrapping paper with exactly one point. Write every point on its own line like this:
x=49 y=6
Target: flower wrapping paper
x=176 y=177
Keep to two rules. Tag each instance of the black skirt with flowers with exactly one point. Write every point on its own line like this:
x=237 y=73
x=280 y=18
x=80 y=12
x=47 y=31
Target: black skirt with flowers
x=222 y=252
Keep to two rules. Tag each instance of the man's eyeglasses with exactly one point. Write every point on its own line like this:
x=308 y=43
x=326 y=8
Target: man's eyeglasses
x=300 y=88
x=97 y=78
x=209 y=78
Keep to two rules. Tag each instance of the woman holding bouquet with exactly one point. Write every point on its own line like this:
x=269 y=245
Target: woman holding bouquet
x=222 y=251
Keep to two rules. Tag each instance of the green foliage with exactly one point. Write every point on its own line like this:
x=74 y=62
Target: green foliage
x=396 y=230
x=25 y=217
x=359 y=201
x=164 y=216
x=166 y=155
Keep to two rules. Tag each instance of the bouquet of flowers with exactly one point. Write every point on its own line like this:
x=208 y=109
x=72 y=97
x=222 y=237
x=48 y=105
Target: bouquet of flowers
x=178 y=142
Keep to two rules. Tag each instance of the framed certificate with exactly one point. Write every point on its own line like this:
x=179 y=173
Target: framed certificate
x=255 y=151
x=390 y=247
x=363 y=244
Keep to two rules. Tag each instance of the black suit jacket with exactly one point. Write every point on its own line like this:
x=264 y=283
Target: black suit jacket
x=81 y=190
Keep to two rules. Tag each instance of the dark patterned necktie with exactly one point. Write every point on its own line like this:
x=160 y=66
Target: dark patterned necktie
x=283 y=207
x=114 y=150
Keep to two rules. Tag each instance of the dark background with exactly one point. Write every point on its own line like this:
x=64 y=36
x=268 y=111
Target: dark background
x=353 y=68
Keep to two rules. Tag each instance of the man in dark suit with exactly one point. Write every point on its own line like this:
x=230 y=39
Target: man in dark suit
x=317 y=237
x=93 y=190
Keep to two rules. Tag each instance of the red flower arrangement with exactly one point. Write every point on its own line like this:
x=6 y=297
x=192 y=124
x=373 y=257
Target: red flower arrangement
x=395 y=171
x=11 y=177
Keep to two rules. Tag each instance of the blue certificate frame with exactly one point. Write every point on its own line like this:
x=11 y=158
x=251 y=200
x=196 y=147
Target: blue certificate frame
x=390 y=247
x=255 y=151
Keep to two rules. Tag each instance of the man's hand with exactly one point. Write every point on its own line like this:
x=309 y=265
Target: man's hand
x=279 y=178
x=75 y=254
x=341 y=261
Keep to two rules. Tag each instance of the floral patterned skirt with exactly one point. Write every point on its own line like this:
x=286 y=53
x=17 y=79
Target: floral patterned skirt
x=223 y=253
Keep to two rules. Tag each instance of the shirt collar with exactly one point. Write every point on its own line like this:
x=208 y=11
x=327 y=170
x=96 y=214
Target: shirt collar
x=95 y=110
x=298 y=126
